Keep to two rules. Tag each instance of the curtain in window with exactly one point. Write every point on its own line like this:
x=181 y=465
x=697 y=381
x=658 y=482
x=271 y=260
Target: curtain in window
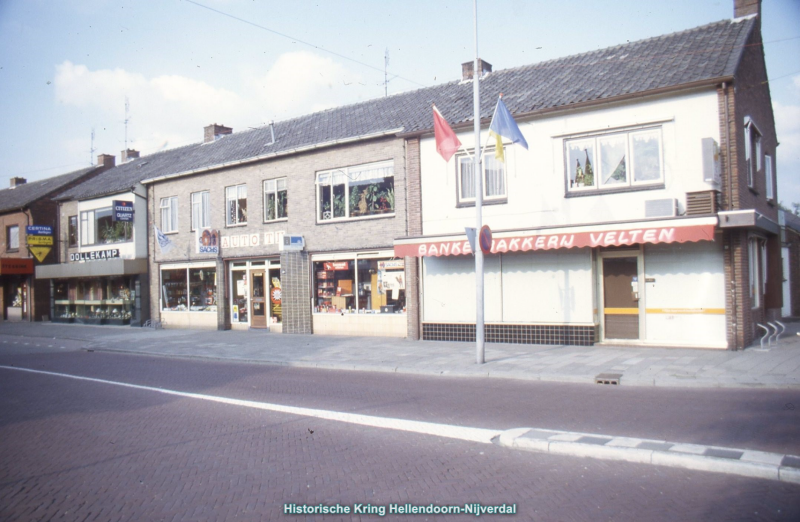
x=495 y=180
x=467 y=173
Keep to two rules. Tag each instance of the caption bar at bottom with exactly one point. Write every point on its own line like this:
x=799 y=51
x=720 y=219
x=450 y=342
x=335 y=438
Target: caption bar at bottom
x=399 y=509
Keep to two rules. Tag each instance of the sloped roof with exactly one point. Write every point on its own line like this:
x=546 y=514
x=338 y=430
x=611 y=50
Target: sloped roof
x=25 y=194
x=666 y=62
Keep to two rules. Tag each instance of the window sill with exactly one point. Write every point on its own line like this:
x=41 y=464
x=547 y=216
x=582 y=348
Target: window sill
x=754 y=191
x=468 y=204
x=13 y=250
x=621 y=190
x=238 y=225
x=280 y=220
x=355 y=219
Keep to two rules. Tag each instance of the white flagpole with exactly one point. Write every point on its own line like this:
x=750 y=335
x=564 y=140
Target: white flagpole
x=476 y=75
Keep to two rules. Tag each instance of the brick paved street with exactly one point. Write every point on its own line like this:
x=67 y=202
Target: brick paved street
x=75 y=450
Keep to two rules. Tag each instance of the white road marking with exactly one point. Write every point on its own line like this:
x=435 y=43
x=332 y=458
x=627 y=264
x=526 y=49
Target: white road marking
x=449 y=431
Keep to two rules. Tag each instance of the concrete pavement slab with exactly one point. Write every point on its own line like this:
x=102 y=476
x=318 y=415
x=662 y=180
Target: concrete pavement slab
x=776 y=367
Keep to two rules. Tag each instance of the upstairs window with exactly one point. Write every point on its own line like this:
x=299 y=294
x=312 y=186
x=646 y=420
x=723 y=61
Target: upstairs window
x=275 y=199
x=615 y=160
x=355 y=192
x=236 y=205
x=200 y=210
x=72 y=232
x=752 y=150
x=768 y=175
x=493 y=182
x=12 y=238
x=99 y=227
x=169 y=214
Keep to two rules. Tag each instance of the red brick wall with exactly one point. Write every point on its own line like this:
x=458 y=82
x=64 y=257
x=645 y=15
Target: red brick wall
x=414 y=197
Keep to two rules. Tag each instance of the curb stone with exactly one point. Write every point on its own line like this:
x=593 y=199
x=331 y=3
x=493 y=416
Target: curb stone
x=717 y=459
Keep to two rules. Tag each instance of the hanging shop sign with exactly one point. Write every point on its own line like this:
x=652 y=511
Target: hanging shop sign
x=97 y=255
x=122 y=211
x=16 y=266
x=39 y=230
x=207 y=241
x=40 y=240
x=529 y=242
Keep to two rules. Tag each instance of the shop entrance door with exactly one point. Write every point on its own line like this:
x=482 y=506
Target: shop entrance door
x=258 y=300
x=621 y=298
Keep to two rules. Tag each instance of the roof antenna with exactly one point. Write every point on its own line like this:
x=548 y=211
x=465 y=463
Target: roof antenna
x=386 y=73
x=91 y=150
x=127 y=119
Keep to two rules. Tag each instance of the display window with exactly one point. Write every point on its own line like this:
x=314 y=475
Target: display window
x=190 y=289
x=360 y=285
x=102 y=300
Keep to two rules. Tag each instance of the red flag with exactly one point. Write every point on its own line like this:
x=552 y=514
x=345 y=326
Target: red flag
x=446 y=140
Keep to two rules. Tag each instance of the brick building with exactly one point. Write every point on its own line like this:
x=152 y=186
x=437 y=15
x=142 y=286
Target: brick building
x=22 y=205
x=100 y=276
x=644 y=212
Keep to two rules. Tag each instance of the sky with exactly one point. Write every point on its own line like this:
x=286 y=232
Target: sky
x=67 y=67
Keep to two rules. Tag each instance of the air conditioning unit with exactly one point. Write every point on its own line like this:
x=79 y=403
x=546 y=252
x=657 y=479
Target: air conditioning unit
x=292 y=243
x=661 y=208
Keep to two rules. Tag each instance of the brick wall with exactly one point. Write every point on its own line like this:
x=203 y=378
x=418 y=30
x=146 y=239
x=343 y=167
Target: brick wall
x=300 y=173
x=414 y=197
x=295 y=293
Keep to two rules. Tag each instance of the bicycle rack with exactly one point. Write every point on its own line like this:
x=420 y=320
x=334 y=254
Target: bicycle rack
x=765 y=335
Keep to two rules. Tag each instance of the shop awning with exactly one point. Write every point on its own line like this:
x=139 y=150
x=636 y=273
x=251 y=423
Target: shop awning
x=109 y=267
x=676 y=230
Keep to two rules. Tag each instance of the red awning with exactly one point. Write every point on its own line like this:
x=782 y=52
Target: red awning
x=621 y=234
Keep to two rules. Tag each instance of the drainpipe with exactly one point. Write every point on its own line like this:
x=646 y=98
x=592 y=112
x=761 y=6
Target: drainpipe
x=734 y=323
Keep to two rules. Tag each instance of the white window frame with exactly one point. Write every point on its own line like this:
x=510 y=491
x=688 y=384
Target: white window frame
x=754 y=259
x=593 y=141
x=348 y=174
x=87 y=225
x=271 y=189
x=201 y=215
x=235 y=193
x=752 y=140
x=169 y=214
x=10 y=245
x=768 y=175
x=462 y=200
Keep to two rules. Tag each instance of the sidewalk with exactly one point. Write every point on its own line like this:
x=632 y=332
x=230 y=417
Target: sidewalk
x=775 y=367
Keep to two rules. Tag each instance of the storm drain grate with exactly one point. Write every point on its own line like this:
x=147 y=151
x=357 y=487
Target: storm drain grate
x=608 y=378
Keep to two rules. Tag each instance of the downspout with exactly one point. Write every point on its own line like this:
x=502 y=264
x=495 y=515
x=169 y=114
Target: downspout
x=734 y=322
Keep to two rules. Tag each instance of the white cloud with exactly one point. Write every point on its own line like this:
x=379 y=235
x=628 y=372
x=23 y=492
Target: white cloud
x=787 y=126
x=173 y=109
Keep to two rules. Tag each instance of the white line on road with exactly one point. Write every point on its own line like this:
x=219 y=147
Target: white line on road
x=449 y=431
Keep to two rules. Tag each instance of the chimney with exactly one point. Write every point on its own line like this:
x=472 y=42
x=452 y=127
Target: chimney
x=468 y=69
x=746 y=8
x=127 y=155
x=106 y=160
x=214 y=132
x=18 y=181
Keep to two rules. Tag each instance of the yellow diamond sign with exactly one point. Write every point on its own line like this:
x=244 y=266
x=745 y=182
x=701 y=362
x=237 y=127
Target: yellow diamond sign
x=40 y=252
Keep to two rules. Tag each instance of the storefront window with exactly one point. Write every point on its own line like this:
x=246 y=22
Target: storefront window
x=240 y=291
x=368 y=286
x=203 y=289
x=173 y=290
x=189 y=289
x=97 y=301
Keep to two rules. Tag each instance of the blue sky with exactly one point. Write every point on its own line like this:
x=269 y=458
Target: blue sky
x=66 y=67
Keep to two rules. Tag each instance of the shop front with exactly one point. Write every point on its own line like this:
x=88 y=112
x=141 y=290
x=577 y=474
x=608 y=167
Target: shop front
x=100 y=290
x=15 y=284
x=360 y=294
x=255 y=294
x=188 y=295
x=658 y=283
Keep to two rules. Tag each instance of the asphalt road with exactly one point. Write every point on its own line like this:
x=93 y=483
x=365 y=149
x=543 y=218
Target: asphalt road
x=80 y=450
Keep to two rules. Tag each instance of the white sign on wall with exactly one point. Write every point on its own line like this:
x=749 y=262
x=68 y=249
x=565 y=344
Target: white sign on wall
x=251 y=240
